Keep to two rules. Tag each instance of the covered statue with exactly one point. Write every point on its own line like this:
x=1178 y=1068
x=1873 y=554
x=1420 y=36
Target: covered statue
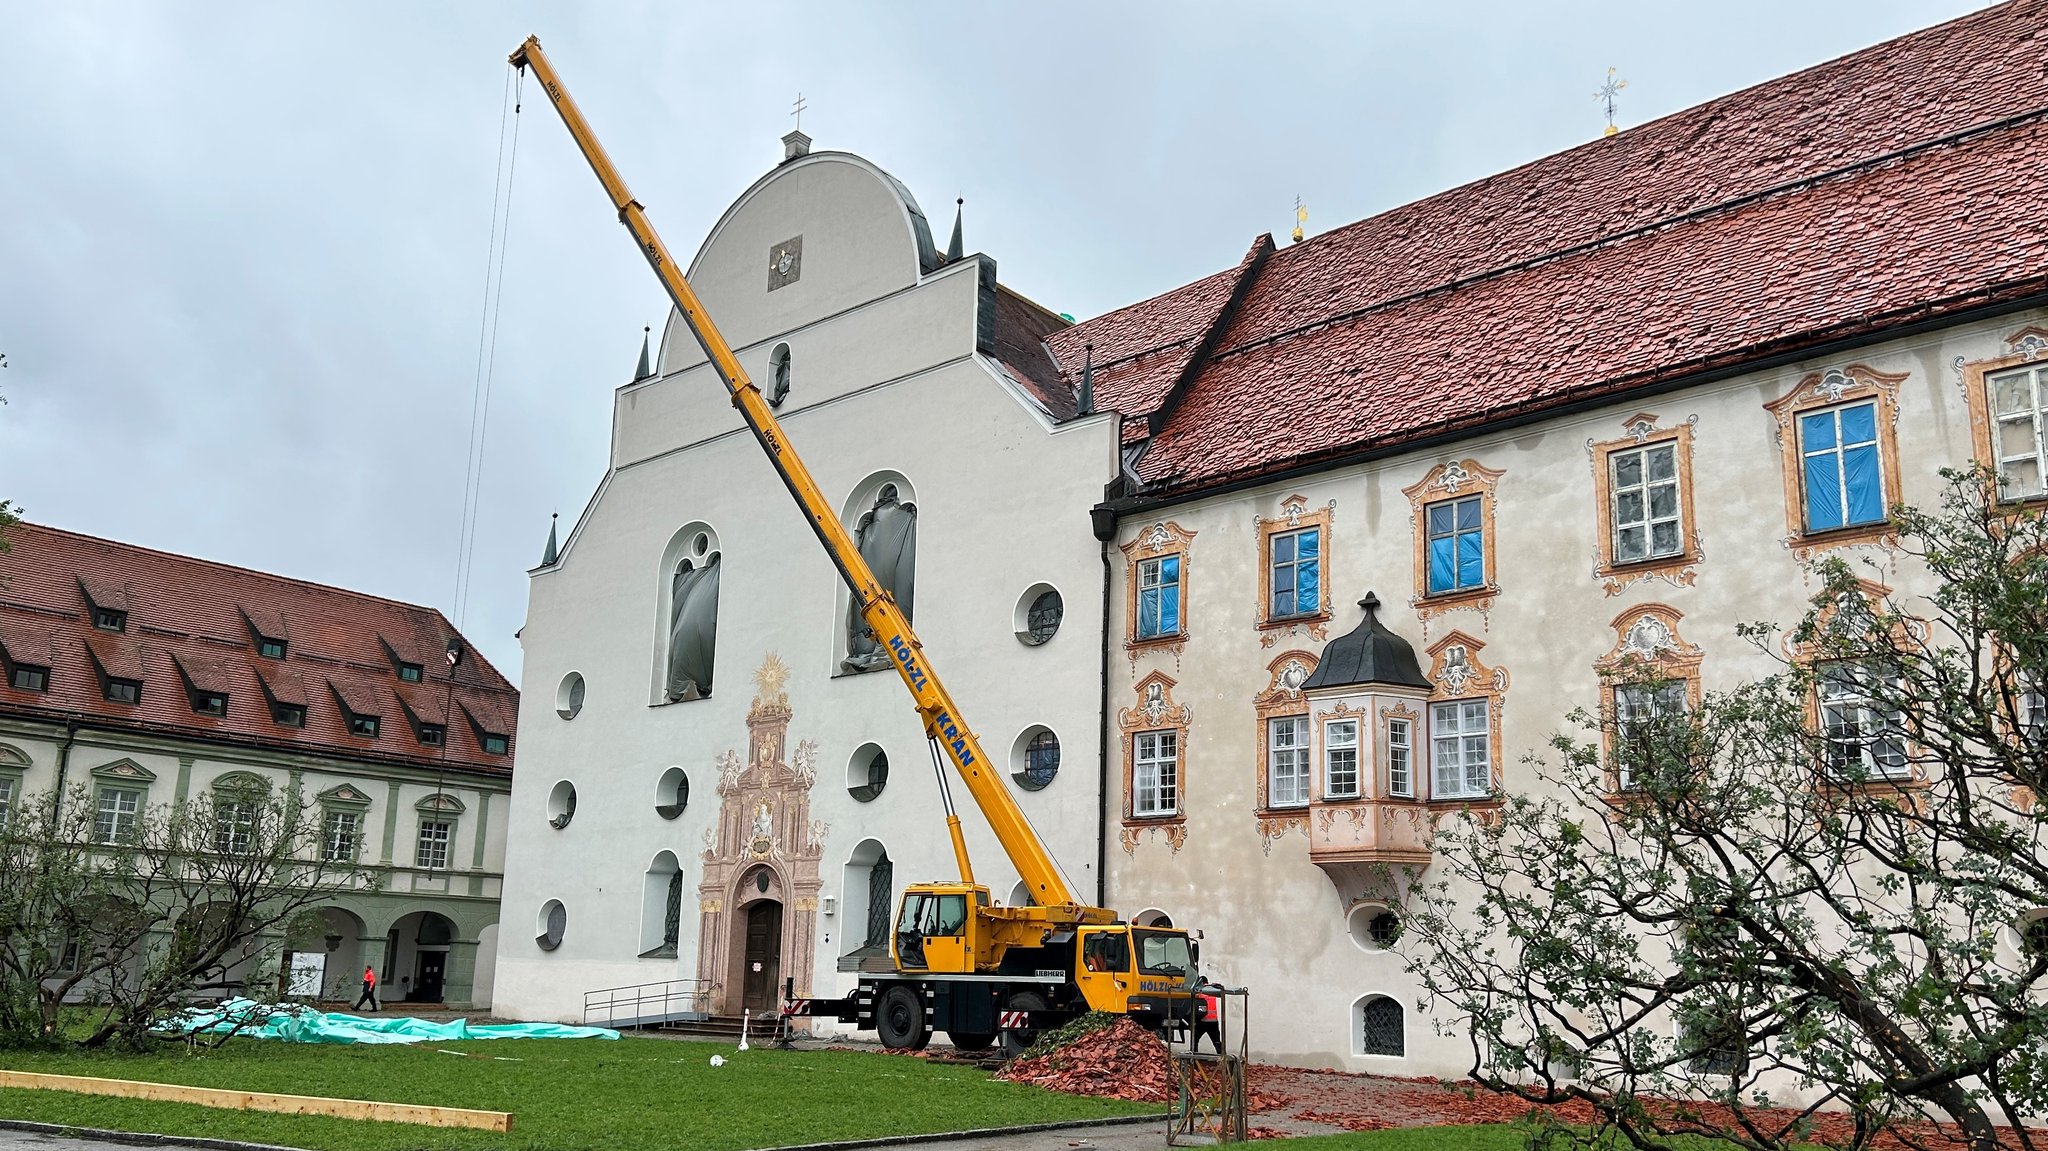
x=887 y=538
x=692 y=628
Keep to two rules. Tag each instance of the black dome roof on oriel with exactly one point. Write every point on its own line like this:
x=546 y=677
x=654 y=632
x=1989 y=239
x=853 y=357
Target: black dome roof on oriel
x=1367 y=654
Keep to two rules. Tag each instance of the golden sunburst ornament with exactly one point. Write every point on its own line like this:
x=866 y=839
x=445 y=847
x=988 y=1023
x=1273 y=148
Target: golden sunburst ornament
x=770 y=676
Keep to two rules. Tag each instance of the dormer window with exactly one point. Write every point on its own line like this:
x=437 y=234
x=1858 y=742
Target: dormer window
x=270 y=648
x=410 y=672
x=108 y=619
x=209 y=703
x=28 y=677
x=122 y=690
x=495 y=744
x=363 y=725
x=289 y=714
x=433 y=734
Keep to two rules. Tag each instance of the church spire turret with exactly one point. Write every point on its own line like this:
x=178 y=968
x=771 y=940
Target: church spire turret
x=553 y=554
x=1085 y=406
x=954 y=248
x=646 y=367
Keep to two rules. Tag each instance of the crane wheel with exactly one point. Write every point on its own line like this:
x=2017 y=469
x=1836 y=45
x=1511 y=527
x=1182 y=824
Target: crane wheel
x=1018 y=1040
x=900 y=1021
x=971 y=1040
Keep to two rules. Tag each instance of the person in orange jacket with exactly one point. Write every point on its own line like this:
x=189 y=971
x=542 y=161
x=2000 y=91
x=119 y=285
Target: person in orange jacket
x=1208 y=1015
x=369 y=988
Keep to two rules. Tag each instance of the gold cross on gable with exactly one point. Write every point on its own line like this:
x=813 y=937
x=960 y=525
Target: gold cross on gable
x=797 y=110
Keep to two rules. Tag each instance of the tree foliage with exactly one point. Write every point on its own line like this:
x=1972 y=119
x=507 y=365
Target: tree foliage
x=1818 y=889
x=190 y=901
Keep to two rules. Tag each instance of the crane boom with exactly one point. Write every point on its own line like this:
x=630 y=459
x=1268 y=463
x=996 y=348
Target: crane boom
x=877 y=607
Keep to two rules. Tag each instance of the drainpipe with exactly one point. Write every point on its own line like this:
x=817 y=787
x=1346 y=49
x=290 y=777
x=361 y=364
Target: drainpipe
x=64 y=761
x=1103 y=520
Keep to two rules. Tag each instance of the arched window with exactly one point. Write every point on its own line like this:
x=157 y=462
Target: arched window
x=870 y=887
x=1378 y=1023
x=886 y=533
x=690 y=618
x=778 y=375
x=661 y=907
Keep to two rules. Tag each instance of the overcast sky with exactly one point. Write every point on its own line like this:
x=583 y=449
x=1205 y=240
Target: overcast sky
x=242 y=247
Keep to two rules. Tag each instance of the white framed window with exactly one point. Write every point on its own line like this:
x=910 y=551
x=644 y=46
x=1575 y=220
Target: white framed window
x=432 y=850
x=1865 y=736
x=1340 y=759
x=1643 y=492
x=1461 y=750
x=341 y=836
x=115 y=815
x=234 y=825
x=1401 y=758
x=1287 y=761
x=1155 y=771
x=1637 y=708
x=2033 y=710
x=6 y=800
x=2018 y=424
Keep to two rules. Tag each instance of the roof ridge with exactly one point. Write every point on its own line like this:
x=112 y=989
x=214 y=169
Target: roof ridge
x=272 y=577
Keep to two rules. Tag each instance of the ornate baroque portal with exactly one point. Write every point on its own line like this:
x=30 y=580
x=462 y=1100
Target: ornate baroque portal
x=759 y=897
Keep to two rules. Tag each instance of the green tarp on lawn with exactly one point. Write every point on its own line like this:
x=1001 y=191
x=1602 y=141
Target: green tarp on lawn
x=305 y=1025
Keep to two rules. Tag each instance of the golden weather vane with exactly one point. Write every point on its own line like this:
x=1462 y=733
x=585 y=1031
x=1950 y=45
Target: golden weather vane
x=1606 y=95
x=1300 y=218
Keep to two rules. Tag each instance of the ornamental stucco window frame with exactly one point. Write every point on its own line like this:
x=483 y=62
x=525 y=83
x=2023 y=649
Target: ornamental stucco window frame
x=1294 y=524
x=1157 y=542
x=342 y=799
x=438 y=808
x=1907 y=635
x=1837 y=389
x=1648 y=648
x=1283 y=703
x=2025 y=361
x=1155 y=712
x=1641 y=434
x=1448 y=483
x=115 y=821
x=1458 y=676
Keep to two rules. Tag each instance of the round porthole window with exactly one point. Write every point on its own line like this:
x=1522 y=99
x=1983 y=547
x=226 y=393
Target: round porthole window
x=569 y=696
x=1038 y=615
x=1373 y=927
x=2034 y=935
x=554 y=921
x=867 y=773
x=561 y=804
x=672 y=793
x=1035 y=759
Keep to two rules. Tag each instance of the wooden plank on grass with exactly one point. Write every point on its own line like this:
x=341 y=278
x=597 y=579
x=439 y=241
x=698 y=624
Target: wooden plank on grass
x=262 y=1101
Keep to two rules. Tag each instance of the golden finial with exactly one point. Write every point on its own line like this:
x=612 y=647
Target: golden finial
x=1606 y=95
x=1300 y=218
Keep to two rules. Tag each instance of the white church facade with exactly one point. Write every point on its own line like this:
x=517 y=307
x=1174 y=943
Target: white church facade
x=1361 y=520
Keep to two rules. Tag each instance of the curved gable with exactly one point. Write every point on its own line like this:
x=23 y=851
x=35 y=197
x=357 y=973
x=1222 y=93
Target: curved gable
x=852 y=232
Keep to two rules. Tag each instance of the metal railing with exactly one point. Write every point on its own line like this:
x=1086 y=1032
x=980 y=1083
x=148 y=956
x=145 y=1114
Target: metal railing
x=646 y=1004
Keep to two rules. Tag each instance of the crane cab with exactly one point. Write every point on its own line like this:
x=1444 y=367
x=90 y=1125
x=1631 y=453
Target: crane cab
x=1143 y=972
x=939 y=928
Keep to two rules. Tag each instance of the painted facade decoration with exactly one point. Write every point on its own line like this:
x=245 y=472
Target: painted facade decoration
x=759 y=896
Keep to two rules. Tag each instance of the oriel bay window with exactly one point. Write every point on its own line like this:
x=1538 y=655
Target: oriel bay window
x=1340 y=759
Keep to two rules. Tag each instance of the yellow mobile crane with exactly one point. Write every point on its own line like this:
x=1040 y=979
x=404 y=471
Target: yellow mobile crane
x=961 y=965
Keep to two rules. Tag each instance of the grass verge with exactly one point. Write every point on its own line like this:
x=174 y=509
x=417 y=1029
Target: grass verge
x=565 y=1095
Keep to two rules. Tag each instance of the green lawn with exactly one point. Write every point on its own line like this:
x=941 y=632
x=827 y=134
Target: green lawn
x=635 y=1094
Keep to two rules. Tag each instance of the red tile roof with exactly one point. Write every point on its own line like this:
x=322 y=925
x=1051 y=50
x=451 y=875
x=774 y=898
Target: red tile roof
x=190 y=619
x=1897 y=184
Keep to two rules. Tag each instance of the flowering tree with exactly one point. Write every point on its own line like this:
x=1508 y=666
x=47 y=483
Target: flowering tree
x=1819 y=889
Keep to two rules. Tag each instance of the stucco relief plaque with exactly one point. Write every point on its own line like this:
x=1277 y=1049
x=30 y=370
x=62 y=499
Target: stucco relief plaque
x=785 y=263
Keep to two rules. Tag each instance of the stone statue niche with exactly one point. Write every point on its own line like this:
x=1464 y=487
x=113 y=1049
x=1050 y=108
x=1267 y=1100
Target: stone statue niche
x=887 y=538
x=692 y=628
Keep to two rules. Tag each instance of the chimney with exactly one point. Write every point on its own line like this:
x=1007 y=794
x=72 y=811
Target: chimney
x=795 y=144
